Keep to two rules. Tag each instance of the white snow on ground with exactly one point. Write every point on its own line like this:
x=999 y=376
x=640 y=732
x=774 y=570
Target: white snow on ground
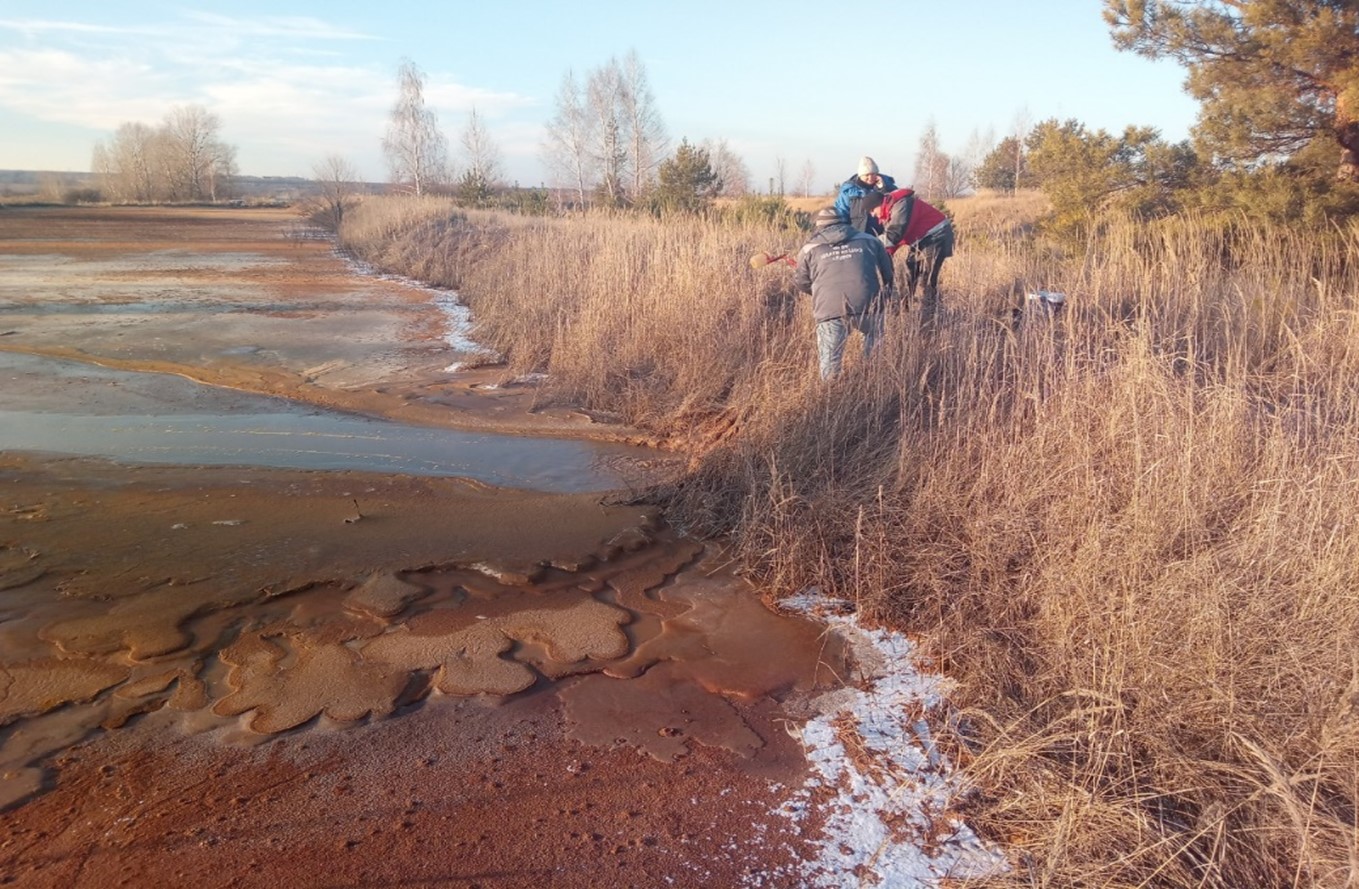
x=875 y=770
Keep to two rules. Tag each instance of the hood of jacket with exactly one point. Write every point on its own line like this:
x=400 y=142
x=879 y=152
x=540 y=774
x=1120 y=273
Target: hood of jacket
x=834 y=233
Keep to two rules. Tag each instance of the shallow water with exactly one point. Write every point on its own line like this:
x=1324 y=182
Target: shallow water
x=53 y=406
x=168 y=608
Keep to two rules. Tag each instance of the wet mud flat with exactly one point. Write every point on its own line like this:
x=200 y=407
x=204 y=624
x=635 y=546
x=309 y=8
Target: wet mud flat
x=254 y=300
x=603 y=713
x=232 y=675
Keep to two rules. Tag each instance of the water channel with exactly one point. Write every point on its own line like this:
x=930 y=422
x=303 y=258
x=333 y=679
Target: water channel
x=92 y=411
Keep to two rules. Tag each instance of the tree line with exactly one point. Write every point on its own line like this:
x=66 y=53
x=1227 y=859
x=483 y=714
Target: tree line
x=181 y=159
x=1277 y=135
x=606 y=145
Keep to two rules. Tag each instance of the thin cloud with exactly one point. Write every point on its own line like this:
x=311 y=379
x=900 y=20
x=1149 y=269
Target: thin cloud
x=455 y=98
x=291 y=27
x=32 y=28
x=285 y=89
x=63 y=87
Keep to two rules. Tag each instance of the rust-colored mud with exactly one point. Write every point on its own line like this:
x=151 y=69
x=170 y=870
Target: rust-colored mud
x=250 y=677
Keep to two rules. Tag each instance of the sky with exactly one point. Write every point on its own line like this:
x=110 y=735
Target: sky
x=787 y=83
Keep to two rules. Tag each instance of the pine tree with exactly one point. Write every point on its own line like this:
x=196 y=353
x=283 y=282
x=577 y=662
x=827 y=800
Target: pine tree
x=1270 y=75
x=688 y=181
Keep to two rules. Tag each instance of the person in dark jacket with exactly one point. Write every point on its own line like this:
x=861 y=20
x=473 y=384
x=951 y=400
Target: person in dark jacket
x=860 y=193
x=849 y=275
x=926 y=233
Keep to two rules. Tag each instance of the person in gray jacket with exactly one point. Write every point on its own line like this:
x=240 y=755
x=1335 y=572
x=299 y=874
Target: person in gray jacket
x=849 y=275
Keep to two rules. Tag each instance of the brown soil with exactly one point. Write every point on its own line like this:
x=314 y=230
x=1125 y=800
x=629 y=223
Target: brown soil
x=251 y=677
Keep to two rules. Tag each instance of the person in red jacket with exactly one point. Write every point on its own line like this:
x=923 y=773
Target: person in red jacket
x=926 y=233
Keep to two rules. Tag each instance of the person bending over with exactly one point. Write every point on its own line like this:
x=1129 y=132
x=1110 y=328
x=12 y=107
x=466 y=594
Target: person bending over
x=849 y=276
x=926 y=233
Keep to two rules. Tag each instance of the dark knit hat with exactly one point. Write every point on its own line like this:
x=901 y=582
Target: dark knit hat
x=826 y=216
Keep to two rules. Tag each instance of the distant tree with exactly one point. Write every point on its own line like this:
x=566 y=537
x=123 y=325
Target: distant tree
x=1019 y=129
x=957 y=178
x=194 y=159
x=222 y=172
x=687 y=179
x=340 y=188
x=605 y=99
x=51 y=187
x=642 y=122
x=183 y=159
x=1271 y=76
x=729 y=167
x=607 y=136
x=805 y=177
x=780 y=175
x=126 y=165
x=417 y=152
x=962 y=170
x=567 y=149
x=765 y=210
x=931 y=166
x=481 y=163
x=1003 y=169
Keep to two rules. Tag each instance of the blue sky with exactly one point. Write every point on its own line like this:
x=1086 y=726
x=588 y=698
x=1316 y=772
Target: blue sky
x=293 y=82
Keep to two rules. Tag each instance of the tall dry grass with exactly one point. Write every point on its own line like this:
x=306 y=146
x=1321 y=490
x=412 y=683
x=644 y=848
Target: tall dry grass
x=664 y=323
x=1130 y=532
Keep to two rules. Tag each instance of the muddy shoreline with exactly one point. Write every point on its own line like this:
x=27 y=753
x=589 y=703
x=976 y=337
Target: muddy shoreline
x=235 y=675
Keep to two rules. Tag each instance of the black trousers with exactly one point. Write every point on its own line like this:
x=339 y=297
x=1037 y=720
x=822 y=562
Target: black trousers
x=923 y=263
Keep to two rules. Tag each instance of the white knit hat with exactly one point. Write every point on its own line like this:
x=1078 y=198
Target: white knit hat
x=867 y=165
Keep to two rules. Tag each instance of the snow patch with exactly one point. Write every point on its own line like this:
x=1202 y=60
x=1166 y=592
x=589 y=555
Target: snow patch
x=458 y=325
x=888 y=790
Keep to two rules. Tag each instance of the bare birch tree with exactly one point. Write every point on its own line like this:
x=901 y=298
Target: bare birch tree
x=961 y=171
x=181 y=160
x=931 y=165
x=607 y=138
x=417 y=152
x=643 y=123
x=192 y=154
x=340 y=188
x=1022 y=124
x=729 y=167
x=604 y=97
x=221 y=171
x=566 y=151
x=126 y=165
x=780 y=174
x=805 y=178
x=481 y=157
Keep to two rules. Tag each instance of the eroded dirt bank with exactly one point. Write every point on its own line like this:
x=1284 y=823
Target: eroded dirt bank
x=248 y=677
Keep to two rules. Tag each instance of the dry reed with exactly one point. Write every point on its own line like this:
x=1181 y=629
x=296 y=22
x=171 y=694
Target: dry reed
x=1131 y=531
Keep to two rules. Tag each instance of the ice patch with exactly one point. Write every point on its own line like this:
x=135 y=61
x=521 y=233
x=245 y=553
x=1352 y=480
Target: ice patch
x=875 y=770
x=458 y=325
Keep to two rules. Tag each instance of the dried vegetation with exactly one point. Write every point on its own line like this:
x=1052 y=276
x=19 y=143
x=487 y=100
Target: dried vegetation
x=1130 y=531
